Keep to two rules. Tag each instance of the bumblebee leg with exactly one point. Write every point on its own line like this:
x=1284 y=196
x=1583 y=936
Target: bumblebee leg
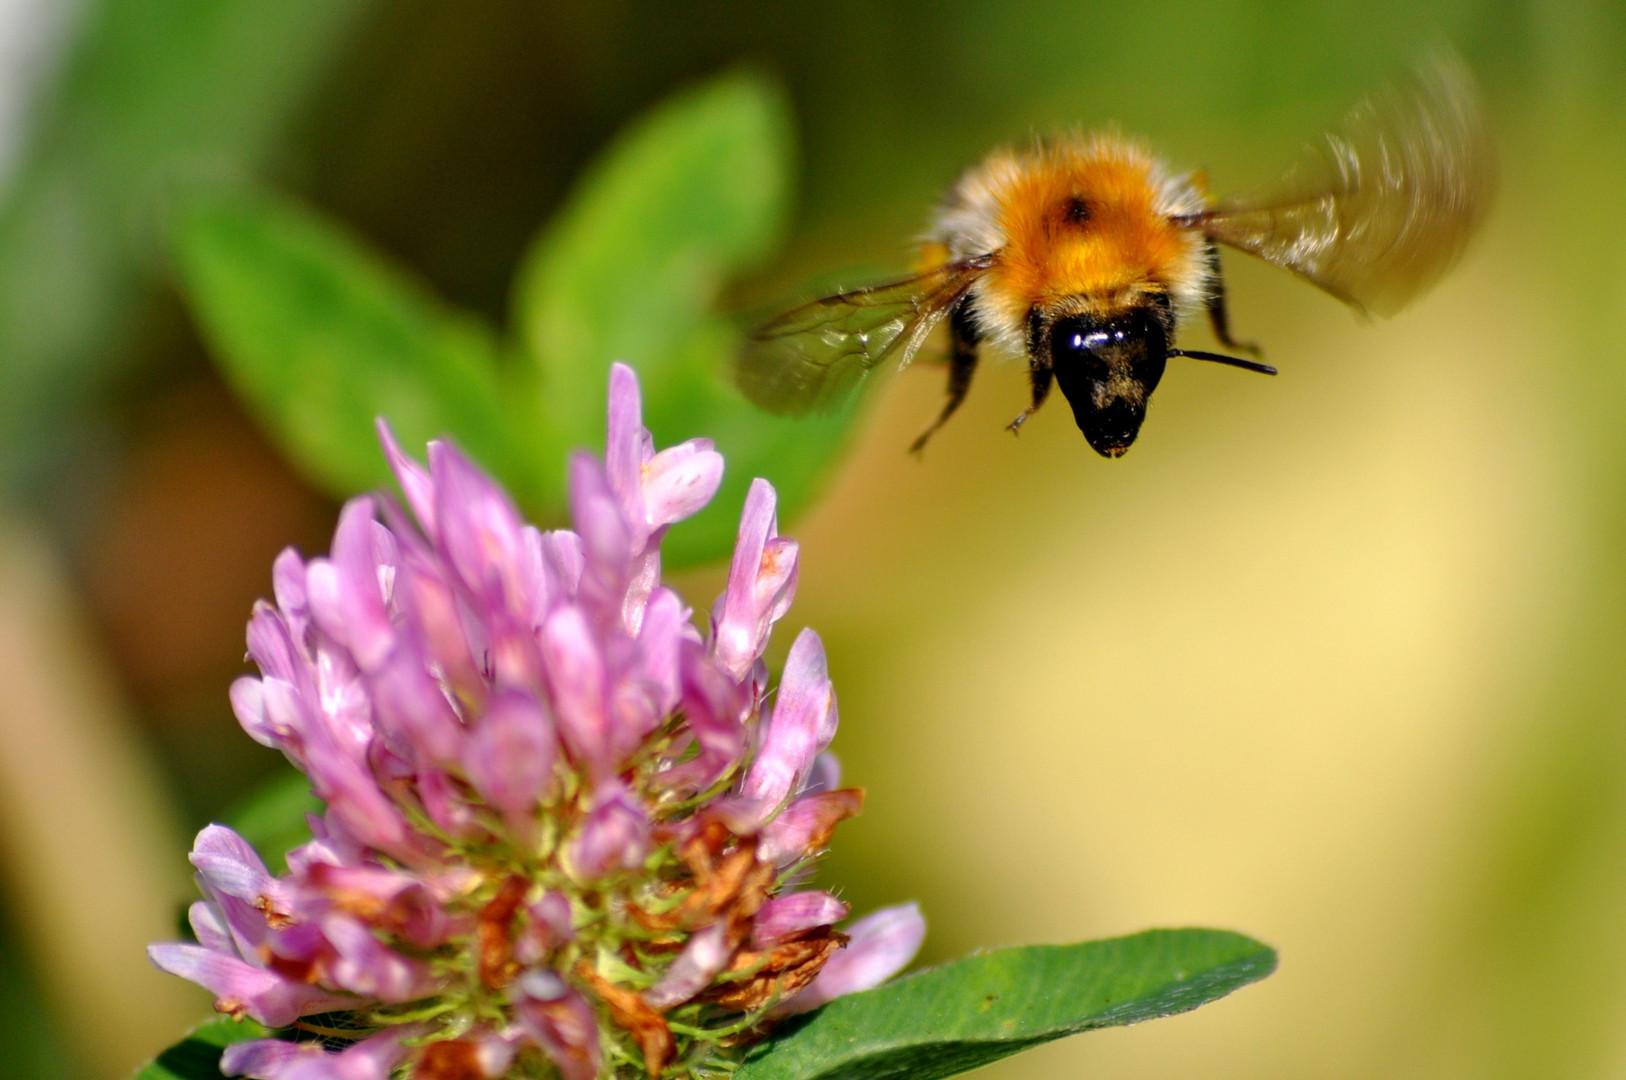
x=1216 y=308
x=962 y=365
x=1039 y=378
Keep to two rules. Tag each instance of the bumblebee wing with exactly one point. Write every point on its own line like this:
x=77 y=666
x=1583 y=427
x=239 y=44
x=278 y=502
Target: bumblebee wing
x=1379 y=209
x=812 y=358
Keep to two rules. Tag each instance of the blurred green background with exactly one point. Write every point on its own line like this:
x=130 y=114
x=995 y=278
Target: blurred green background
x=1337 y=660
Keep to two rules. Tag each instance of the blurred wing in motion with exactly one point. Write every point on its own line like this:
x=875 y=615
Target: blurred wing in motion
x=1380 y=209
x=813 y=357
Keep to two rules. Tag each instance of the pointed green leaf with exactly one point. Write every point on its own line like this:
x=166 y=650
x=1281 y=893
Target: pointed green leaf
x=687 y=197
x=319 y=336
x=974 y=1011
x=197 y=1057
x=628 y=270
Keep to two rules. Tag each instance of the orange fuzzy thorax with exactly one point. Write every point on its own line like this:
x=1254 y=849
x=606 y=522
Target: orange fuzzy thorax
x=1083 y=222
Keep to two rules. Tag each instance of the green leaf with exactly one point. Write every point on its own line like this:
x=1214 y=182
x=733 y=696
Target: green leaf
x=628 y=270
x=272 y=817
x=197 y=1057
x=320 y=336
x=151 y=91
x=974 y=1011
x=687 y=197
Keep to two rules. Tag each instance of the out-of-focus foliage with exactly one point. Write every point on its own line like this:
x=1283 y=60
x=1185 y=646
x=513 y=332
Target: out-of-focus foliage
x=323 y=337
x=691 y=196
x=320 y=336
x=157 y=92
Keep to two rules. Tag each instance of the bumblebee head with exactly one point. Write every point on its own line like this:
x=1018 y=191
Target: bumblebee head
x=1108 y=367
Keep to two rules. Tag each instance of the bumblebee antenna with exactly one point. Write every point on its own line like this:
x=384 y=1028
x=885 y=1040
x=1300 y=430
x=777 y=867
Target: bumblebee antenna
x=1219 y=358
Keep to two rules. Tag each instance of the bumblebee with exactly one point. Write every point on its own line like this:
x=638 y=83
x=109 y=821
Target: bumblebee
x=1085 y=253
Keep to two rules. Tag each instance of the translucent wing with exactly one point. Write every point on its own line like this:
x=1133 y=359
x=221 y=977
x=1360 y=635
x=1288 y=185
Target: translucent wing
x=813 y=357
x=1382 y=207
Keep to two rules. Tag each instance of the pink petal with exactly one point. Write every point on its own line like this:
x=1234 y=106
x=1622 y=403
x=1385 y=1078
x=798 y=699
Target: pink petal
x=288 y=721
x=248 y=705
x=562 y=1024
x=784 y=917
x=240 y=987
x=410 y=707
x=231 y=865
x=881 y=945
x=679 y=481
x=801 y=726
x=800 y=828
x=577 y=678
x=288 y=586
x=661 y=636
x=614 y=835
x=626 y=448
x=365 y=966
x=607 y=540
x=562 y=562
x=643 y=575
x=761 y=583
x=268 y=1059
x=511 y=756
x=388 y=900
x=413 y=478
x=713 y=704
x=825 y=775
x=548 y=925
x=706 y=954
x=271 y=647
x=209 y=926
x=481 y=533
x=535 y=578
x=446 y=807
x=436 y=615
x=353 y=797
x=346 y=591
x=373 y=1058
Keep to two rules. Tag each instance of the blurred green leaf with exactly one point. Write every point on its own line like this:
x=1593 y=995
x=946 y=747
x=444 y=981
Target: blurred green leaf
x=197 y=1057
x=320 y=336
x=272 y=817
x=629 y=268
x=977 y=1010
x=151 y=90
x=688 y=196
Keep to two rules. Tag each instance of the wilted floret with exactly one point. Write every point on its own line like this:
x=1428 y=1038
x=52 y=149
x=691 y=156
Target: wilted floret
x=562 y=825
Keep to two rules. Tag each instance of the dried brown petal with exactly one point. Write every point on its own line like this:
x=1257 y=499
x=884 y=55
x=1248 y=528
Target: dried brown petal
x=777 y=973
x=450 y=1059
x=494 y=934
x=629 y=1010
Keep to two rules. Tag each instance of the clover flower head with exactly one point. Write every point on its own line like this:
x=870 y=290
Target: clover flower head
x=563 y=827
